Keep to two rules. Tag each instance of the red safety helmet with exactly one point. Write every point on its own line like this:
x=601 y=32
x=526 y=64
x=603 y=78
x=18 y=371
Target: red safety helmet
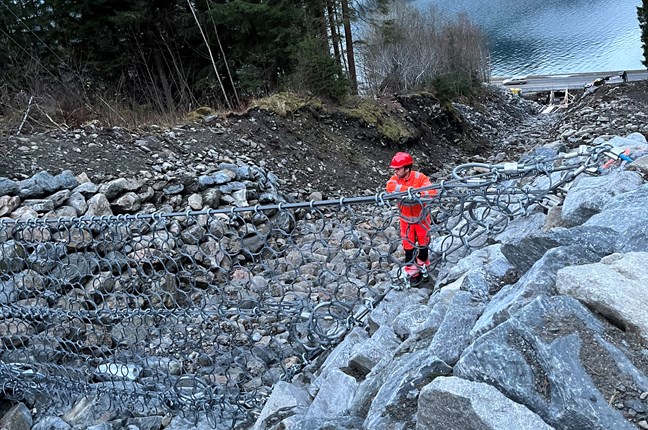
x=401 y=159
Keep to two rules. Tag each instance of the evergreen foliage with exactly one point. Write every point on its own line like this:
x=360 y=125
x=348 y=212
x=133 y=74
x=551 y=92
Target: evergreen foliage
x=642 y=13
x=165 y=55
x=317 y=72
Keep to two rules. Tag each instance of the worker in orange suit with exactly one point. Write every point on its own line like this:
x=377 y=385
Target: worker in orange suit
x=414 y=219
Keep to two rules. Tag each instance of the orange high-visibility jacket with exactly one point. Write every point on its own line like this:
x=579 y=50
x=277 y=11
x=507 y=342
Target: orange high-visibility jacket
x=410 y=210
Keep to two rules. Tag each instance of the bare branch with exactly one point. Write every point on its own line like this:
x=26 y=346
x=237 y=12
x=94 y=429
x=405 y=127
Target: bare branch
x=211 y=55
x=22 y=123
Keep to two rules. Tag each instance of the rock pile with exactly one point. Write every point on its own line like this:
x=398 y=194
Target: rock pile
x=67 y=196
x=310 y=150
x=610 y=110
x=210 y=296
x=545 y=328
x=545 y=323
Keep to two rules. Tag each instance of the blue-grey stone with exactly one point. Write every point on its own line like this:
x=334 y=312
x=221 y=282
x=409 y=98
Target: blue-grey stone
x=8 y=187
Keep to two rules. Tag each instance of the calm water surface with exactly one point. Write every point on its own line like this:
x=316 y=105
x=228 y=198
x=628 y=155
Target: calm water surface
x=555 y=36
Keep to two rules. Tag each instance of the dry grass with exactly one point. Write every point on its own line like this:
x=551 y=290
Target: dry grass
x=286 y=103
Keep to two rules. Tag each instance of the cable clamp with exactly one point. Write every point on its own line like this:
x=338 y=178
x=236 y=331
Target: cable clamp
x=510 y=168
x=614 y=153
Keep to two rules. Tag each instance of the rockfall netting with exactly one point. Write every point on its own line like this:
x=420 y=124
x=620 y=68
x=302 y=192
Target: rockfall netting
x=200 y=313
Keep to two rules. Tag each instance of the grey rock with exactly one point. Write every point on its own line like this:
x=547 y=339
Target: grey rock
x=268 y=198
x=454 y=333
x=410 y=320
x=254 y=243
x=12 y=256
x=86 y=189
x=539 y=280
x=102 y=426
x=127 y=203
x=146 y=193
x=334 y=396
x=62 y=212
x=231 y=187
x=590 y=193
x=8 y=292
x=452 y=403
x=195 y=202
x=8 y=204
x=391 y=306
x=66 y=180
x=29 y=282
x=201 y=422
x=340 y=423
x=146 y=423
x=193 y=234
x=240 y=198
x=527 y=251
x=78 y=202
x=521 y=228
x=286 y=399
x=24 y=213
x=615 y=287
x=40 y=184
x=8 y=187
x=395 y=403
x=339 y=357
x=39 y=205
x=98 y=205
x=212 y=197
x=366 y=355
x=59 y=197
x=219 y=178
x=46 y=256
x=18 y=417
x=640 y=165
x=118 y=186
x=490 y=258
x=75 y=268
x=477 y=285
x=543 y=370
x=51 y=423
x=173 y=189
x=626 y=216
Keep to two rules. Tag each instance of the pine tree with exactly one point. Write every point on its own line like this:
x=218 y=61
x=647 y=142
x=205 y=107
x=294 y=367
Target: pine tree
x=642 y=13
x=23 y=26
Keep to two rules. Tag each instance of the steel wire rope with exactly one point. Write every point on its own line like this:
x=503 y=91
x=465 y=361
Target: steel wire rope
x=317 y=318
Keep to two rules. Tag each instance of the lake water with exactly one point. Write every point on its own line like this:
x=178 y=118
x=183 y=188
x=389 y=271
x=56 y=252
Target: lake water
x=528 y=37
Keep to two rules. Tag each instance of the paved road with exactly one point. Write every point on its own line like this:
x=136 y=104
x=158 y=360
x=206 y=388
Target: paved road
x=572 y=81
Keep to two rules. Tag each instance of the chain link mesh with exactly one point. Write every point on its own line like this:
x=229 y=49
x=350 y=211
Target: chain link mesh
x=202 y=312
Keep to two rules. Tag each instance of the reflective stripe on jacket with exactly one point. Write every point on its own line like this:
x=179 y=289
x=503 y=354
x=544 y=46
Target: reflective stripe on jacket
x=410 y=210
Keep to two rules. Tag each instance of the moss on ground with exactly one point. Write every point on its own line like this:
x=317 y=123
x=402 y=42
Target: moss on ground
x=367 y=111
x=388 y=125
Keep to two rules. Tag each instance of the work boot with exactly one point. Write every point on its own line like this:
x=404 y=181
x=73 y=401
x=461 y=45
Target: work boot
x=415 y=280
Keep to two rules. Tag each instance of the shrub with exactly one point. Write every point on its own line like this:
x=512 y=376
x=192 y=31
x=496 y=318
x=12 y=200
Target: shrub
x=408 y=50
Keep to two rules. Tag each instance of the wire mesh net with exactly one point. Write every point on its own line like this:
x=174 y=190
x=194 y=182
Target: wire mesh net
x=202 y=312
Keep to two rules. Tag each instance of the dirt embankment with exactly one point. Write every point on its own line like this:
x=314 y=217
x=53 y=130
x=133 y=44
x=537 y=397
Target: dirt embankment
x=314 y=147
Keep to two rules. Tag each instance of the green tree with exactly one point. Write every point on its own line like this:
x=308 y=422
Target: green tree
x=173 y=53
x=259 y=35
x=317 y=73
x=642 y=13
x=22 y=55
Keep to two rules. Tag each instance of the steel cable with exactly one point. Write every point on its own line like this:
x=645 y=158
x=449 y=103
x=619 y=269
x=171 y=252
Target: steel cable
x=201 y=312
